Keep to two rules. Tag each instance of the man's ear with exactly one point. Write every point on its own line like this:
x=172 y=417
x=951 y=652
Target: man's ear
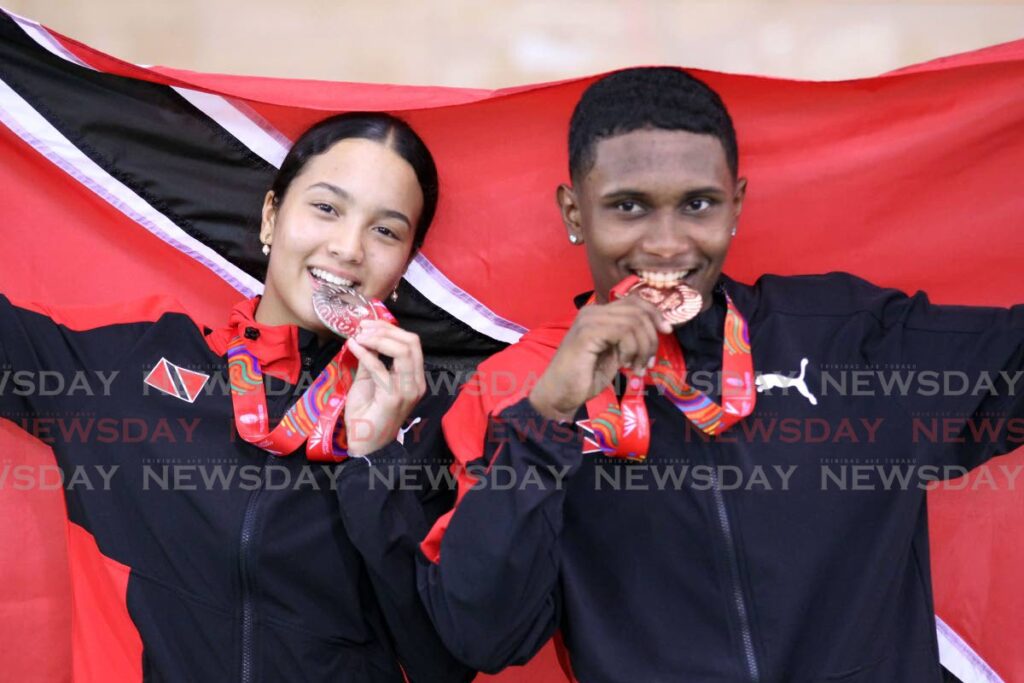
x=570 y=209
x=741 y=194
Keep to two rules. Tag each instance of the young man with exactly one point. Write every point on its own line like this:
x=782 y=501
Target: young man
x=773 y=536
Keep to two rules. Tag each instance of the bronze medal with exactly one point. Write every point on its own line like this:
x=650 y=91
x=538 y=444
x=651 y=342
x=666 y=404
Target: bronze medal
x=678 y=304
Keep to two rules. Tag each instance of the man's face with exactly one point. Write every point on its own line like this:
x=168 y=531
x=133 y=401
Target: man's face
x=657 y=203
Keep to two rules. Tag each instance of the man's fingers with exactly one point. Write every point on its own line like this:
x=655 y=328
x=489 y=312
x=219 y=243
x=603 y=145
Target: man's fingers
x=630 y=329
x=647 y=346
x=649 y=310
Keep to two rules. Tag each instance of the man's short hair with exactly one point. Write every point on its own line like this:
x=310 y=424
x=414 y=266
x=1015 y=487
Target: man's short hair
x=662 y=98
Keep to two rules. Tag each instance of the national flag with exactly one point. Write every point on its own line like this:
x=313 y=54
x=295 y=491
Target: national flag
x=120 y=182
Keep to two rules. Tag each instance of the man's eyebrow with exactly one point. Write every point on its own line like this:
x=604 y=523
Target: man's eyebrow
x=710 y=189
x=632 y=193
x=617 y=192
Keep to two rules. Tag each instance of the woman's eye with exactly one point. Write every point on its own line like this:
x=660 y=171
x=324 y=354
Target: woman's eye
x=387 y=232
x=323 y=207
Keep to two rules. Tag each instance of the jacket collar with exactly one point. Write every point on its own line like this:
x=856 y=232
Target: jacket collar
x=277 y=347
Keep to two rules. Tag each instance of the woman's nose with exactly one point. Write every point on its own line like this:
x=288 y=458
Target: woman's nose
x=345 y=243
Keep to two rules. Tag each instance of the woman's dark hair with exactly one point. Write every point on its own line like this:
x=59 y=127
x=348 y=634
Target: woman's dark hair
x=386 y=129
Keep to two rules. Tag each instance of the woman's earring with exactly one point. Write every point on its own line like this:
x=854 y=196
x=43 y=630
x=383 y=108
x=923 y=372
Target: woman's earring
x=394 y=294
x=266 y=250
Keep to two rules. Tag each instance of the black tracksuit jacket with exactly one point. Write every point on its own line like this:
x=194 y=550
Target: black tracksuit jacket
x=239 y=564
x=792 y=548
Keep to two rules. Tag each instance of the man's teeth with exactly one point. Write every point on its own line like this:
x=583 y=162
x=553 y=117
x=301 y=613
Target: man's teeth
x=661 y=278
x=328 y=277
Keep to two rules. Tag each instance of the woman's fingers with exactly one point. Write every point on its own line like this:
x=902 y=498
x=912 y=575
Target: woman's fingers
x=370 y=366
x=407 y=375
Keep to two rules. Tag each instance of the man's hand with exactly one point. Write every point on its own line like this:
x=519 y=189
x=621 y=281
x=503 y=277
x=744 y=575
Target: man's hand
x=602 y=339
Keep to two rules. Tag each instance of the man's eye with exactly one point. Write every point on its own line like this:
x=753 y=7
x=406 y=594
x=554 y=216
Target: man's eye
x=387 y=232
x=629 y=206
x=698 y=205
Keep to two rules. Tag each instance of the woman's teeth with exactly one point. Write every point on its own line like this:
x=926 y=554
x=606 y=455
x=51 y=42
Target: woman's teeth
x=662 y=279
x=332 y=279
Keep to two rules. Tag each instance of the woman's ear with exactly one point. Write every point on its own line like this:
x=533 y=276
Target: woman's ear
x=268 y=216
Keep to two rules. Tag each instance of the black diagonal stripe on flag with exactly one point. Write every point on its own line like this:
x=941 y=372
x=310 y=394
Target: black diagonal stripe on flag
x=447 y=341
x=179 y=386
x=190 y=169
x=150 y=139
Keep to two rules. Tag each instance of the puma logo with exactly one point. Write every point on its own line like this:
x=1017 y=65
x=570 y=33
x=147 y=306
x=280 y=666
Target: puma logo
x=401 y=432
x=767 y=382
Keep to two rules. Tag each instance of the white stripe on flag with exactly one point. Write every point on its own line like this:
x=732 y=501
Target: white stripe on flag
x=961 y=659
x=235 y=121
x=30 y=126
x=443 y=293
x=271 y=145
x=45 y=39
x=256 y=135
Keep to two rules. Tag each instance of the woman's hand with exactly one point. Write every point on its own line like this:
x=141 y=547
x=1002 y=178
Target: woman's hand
x=602 y=339
x=380 y=400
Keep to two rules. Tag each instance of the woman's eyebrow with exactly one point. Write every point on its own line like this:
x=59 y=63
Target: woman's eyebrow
x=397 y=215
x=342 y=194
x=331 y=188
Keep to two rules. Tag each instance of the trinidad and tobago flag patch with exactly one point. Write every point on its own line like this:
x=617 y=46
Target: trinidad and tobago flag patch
x=590 y=444
x=175 y=381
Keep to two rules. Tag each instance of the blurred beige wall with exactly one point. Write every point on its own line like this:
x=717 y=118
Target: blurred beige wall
x=475 y=43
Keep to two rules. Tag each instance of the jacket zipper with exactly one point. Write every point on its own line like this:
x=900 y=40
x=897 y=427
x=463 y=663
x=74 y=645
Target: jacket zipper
x=248 y=606
x=246 y=544
x=246 y=540
x=738 y=599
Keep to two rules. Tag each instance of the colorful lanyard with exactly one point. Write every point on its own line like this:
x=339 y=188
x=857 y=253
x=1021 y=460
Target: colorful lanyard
x=314 y=417
x=622 y=428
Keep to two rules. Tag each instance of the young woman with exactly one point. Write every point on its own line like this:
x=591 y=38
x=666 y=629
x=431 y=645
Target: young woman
x=214 y=549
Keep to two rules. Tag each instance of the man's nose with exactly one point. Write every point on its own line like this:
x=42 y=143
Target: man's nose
x=668 y=236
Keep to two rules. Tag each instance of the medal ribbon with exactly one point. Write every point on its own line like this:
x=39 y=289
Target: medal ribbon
x=622 y=428
x=313 y=418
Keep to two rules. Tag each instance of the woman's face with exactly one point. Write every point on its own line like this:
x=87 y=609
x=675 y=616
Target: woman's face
x=349 y=217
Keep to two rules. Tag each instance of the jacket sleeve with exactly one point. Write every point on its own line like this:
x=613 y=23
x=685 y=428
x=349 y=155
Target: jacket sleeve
x=15 y=357
x=490 y=569
x=388 y=501
x=971 y=407
x=35 y=349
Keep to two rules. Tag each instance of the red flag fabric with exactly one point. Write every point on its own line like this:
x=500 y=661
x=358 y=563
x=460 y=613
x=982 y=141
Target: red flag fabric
x=121 y=182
